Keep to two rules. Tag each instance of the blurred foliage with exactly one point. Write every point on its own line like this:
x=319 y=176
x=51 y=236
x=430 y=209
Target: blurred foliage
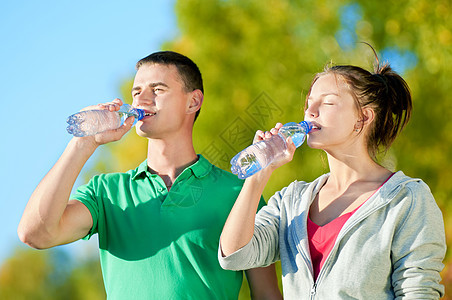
x=34 y=275
x=25 y=276
x=258 y=59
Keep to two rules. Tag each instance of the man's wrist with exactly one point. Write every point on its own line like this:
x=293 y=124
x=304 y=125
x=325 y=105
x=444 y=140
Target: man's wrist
x=84 y=144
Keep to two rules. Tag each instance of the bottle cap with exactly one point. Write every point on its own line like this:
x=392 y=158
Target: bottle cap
x=140 y=113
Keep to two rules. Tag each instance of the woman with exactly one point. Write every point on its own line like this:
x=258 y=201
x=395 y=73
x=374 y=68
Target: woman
x=358 y=232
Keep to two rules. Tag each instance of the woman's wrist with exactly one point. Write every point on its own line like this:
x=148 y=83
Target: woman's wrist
x=260 y=179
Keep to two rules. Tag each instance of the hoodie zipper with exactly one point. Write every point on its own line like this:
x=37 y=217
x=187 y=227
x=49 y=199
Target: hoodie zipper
x=313 y=290
x=308 y=262
x=335 y=247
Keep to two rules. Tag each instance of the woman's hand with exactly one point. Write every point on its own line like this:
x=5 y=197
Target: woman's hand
x=288 y=155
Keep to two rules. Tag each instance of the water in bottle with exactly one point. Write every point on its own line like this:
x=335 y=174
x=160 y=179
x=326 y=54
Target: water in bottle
x=90 y=122
x=259 y=155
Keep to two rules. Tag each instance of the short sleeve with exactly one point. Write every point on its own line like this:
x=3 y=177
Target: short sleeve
x=86 y=194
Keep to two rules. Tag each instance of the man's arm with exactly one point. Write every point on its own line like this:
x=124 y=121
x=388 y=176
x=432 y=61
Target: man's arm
x=263 y=283
x=49 y=218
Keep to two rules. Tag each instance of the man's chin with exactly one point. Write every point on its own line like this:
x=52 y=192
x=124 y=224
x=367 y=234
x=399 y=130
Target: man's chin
x=143 y=133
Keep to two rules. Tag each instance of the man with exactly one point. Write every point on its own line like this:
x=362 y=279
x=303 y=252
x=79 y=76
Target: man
x=158 y=225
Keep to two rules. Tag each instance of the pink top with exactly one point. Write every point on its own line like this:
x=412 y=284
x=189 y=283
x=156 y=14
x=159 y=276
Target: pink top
x=322 y=238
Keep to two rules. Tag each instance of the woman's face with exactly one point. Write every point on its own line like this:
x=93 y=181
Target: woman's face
x=332 y=110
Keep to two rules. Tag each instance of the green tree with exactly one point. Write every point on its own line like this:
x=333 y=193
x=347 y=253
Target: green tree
x=84 y=282
x=35 y=274
x=25 y=276
x=259 y=57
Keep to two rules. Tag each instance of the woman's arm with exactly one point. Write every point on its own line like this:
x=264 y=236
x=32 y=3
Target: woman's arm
x=239 y=227
x=263 y=283
x=419 y=247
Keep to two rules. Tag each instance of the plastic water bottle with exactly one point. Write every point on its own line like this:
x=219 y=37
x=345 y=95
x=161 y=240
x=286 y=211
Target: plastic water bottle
x=90 y=122
x=259 y=155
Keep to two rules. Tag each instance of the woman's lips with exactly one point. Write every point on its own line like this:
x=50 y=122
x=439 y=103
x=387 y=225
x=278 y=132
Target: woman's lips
x=315 y=127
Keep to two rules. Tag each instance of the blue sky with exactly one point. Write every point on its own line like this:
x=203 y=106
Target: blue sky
x=57 y=57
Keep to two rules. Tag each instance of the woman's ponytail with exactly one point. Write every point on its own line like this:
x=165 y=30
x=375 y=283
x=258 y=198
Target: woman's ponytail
x=386 y=92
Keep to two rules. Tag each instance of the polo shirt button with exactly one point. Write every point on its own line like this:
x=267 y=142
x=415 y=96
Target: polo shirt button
x=160 y=189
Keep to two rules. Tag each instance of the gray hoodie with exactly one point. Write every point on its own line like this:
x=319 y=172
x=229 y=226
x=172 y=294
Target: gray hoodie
x=392 y=247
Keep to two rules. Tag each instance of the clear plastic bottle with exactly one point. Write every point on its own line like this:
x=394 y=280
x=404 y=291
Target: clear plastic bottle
x=90 y=122
x=259 y=155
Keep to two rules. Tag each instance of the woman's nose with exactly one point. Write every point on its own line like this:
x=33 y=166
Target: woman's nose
x=312 y=111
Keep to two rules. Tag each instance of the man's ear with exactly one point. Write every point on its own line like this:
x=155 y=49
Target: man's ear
x=196 y=100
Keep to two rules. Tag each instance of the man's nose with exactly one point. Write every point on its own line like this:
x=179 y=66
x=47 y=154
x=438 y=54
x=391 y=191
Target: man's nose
x=145 y=97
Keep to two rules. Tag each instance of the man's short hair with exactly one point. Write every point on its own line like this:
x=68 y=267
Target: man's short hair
x=188 y=70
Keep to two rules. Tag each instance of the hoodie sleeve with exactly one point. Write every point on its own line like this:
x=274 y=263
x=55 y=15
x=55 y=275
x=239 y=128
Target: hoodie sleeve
x=419 y=246
x=263 y=249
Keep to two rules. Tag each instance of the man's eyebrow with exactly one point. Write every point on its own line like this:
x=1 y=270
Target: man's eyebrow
x=154 y=84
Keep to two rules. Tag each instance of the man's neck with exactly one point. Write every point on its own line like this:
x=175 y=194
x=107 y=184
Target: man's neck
x=168 y=160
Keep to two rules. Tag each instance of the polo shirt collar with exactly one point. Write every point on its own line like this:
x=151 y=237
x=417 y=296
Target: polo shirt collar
x=200 y=168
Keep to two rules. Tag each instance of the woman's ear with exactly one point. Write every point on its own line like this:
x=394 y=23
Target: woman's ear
x=196 y=100
x=368 y=115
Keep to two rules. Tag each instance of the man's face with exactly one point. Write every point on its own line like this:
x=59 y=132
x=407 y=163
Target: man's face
x=159 y=90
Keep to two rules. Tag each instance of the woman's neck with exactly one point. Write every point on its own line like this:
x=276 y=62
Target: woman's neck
x=348 y=169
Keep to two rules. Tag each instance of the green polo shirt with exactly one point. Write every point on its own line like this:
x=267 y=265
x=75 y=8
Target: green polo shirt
x=160 y=244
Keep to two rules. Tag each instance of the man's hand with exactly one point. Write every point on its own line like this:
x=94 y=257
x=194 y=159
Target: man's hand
x=50 y=218
x=109 y=135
